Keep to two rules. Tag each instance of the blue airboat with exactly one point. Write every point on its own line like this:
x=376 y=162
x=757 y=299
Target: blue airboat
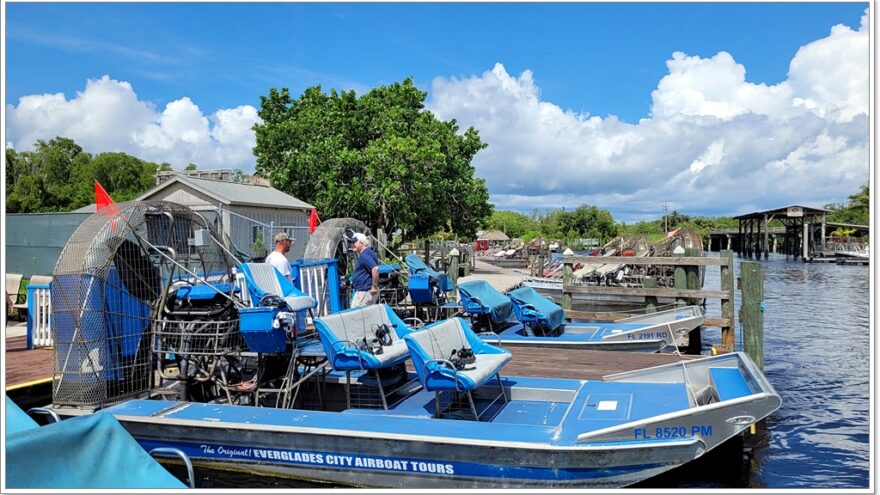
x=523 y=317
x=238 y=380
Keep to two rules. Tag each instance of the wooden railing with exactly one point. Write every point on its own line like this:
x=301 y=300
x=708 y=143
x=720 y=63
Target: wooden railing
x=687 y=284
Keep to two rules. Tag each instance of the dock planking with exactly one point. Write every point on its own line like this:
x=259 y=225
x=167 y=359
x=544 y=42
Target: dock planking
x=25 y=365
x=580 y=363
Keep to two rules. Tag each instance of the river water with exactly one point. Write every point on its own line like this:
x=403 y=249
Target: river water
x=817 y=349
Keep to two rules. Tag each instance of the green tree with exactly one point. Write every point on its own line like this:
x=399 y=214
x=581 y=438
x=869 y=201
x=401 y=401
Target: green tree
x=380 y=157
x=512 y=223
x=191 y=166
x=856 y=211
x=588 y=221
x=59 y=176
x=123 y=176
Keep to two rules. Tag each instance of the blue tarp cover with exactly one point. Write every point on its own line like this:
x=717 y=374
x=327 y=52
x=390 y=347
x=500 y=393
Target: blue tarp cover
x=417 y=266
x=478 y=297
x=542 y=311
x=92 y=451
x=16 y=419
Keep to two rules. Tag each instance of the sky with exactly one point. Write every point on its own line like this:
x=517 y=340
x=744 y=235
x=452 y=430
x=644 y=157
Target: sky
x=712 y=109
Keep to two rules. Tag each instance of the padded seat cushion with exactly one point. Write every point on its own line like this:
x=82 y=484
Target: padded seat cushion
x=437 y=341
x=340 y=334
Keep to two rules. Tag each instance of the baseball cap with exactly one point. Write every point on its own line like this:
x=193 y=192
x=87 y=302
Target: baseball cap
x=281 y=236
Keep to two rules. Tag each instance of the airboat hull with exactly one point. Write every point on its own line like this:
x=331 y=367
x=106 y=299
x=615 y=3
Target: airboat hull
x=644 y=333
x=551 y=433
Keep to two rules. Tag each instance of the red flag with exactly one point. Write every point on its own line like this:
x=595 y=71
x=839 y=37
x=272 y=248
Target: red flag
x=102 y=199
x=314 y=221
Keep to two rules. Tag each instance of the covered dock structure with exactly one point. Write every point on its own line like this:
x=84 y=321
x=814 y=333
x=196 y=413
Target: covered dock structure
x=798 y=224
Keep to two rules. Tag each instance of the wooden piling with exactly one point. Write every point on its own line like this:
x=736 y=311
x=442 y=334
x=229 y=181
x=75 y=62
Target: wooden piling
x=692 y=273
x=751 y=313
x=566 y=283
x=727 y=332
x=650 y=301
x=454 y=257
x=680 y=283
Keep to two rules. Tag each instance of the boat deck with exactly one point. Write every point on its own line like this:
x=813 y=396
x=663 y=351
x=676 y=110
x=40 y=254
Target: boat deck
x=529 y=417
x=25 y=367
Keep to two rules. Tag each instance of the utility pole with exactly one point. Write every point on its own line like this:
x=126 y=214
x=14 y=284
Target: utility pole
x=665 y=218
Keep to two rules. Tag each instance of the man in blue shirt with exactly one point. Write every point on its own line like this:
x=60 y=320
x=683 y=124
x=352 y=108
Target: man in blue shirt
x=365 y=279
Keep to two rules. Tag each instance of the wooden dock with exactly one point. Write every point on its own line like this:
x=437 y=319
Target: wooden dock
x=581 y=364
x=25 y=366
x=503 y=279
x=28 y=373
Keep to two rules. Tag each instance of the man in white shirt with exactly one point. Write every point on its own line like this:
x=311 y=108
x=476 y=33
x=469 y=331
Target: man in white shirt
x=277 y=257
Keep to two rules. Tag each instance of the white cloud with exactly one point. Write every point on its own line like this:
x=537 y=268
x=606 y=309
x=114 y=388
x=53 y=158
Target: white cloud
x=108 y=116
x=714 y=143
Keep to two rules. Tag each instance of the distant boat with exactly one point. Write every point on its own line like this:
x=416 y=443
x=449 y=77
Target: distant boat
x=621 y=274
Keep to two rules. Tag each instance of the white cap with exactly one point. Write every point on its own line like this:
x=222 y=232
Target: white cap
x=568 y=252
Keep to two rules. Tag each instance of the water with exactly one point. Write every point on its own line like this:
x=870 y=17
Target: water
x=816 y=352
x=817 y=356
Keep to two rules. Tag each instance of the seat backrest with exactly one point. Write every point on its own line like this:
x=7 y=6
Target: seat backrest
x=417 y=266
x=40 y=280
x=262 y=278
x=437 y=341
x=359 y=323
x=13 y=285
x=478 y=297
x=552 y=312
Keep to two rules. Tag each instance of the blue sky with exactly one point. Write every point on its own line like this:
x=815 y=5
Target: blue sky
x=179 y=63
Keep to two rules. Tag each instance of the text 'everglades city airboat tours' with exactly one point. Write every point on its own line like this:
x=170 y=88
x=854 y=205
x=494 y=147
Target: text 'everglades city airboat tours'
x=157 y=324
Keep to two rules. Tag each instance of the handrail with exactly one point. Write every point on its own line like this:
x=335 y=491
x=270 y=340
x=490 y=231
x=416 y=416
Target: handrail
x=190 y=474
x=45 y=411
x=444 y=362
x=498 y=337
x=39 y=316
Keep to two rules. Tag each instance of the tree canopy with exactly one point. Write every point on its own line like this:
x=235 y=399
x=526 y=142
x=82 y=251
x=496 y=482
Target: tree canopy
x=856 y=211
x=380 y=157
x=59 y=176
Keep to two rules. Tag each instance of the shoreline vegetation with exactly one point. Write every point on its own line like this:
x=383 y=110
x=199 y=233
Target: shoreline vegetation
x=58 y=176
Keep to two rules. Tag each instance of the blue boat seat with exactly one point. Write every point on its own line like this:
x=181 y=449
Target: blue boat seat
x=480 y=298
x=417 y=266
x=433 y=349
x=263 y=279
x=88 y=452
x=729 y=383
x=534 y=309
x=351 y=342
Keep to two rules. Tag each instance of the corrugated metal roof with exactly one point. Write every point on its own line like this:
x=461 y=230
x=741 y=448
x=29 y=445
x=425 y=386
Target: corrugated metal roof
x=234 y=193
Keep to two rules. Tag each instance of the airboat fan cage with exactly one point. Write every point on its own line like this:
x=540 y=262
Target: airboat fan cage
x=115 y=281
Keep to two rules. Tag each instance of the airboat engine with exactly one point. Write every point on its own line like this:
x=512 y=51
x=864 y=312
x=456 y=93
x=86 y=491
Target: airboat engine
x=139 y=282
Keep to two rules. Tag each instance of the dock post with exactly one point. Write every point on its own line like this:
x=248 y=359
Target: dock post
x=680 y=283
x=454 y=257
x=806 y=242
x=752 y=312
x=650 y=301
x=693 y=273
x=566 y=283
x=728 y=337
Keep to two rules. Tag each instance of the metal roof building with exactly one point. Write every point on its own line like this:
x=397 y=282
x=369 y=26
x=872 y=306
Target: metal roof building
x=249 y=214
